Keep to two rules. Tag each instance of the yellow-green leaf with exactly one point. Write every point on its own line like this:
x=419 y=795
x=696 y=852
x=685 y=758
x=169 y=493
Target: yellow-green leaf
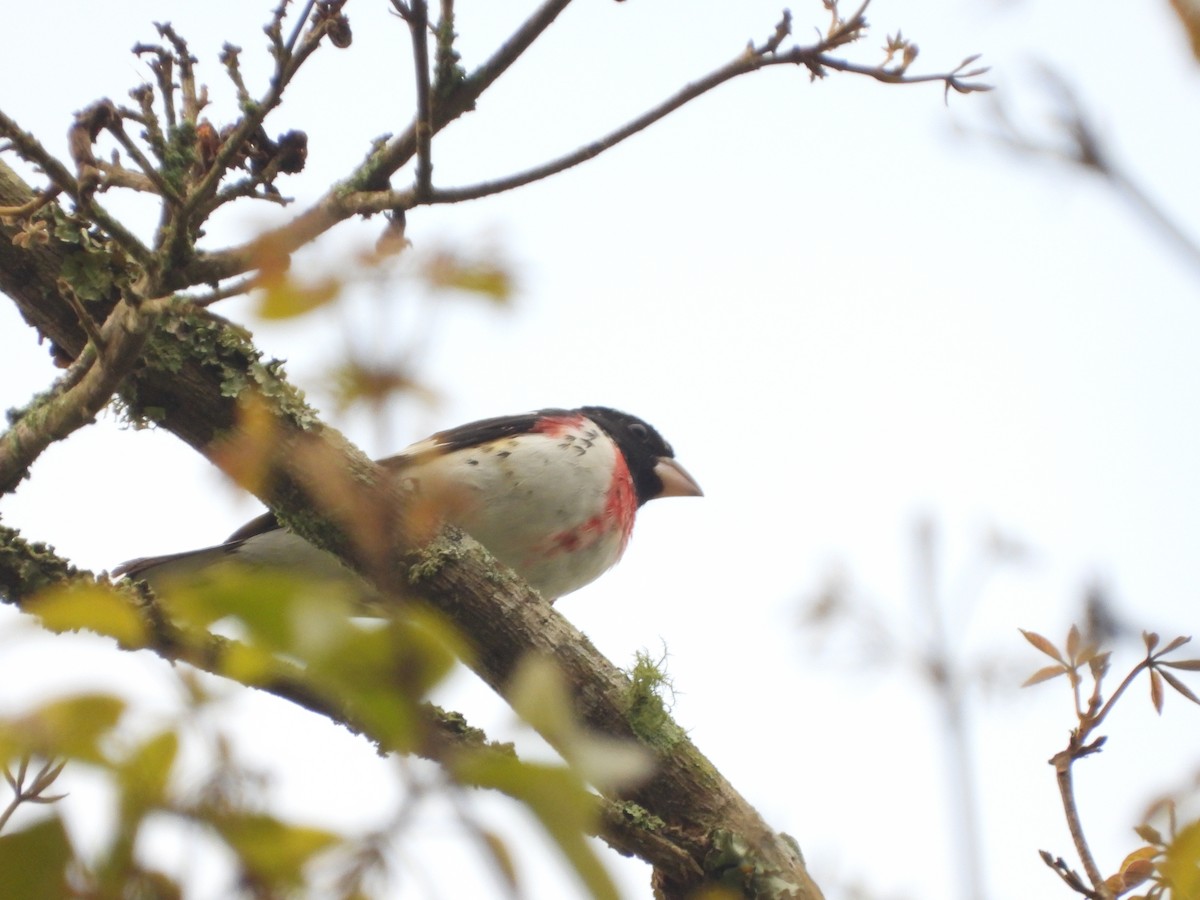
x=92 y=607
x=33 y=862
x=1181 y=868
x=70 y=727
x=557 y=797
x=246 y=664
x=283 y=298
x=271 y=849
x=144 y=773
x=449 y=271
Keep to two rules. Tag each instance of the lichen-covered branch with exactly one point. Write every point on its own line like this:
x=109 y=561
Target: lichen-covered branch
x=80 y=394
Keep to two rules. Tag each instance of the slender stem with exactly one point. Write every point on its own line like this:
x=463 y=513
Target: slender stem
x=167 y=192
x=418 y=26
x=1066 y=789
x=233 y=289
x=1133 y=192
x=32 y=150
x=1091 y=724
x=298 y=28
x=78 y=397
x=948 y=688
x=340 y=203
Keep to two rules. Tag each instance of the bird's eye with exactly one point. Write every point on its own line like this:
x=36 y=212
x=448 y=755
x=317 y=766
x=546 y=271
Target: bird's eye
x=639 y=431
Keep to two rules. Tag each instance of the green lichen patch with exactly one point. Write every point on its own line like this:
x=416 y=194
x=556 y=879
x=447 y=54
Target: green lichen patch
x=646 y=709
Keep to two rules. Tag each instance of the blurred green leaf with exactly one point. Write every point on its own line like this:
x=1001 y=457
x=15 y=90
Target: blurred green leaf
x=447 y=270
x=272 y=850
x=248 y=665
x=279 y=609
x=33 y=862
x=92 y=607
x=144 y=773
x=69 y=727
x=557 y=797
x=501 y=858
x=387 y=672
x=1181 y=868
x=539 y=696
x=283 y=298
x=361 y=381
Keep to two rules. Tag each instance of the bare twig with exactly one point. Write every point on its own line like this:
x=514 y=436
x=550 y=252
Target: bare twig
x=39 y=200
x=298 y=27
x=162 y=188
x=82 y=393
x=85 y=318
x=340 y=204
x=1087 y=149
x=30 y=149
x=34 y=791
x=416 y=15
x=234 y=289
x=1081 y=743
x=193 y=102
x=1066 y=790
x=947 y=683
x=286 y=65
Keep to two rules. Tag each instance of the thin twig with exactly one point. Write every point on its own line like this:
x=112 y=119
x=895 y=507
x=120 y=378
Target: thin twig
x=234 y=143
x=30 y=149
x=742 y=65
x=36 y=202
x=234 y=289
x=289 y=45
x=1066 y=790
x=85 y=318
x=151 y=172
x=417 y=16
x=1087 y=150
x=78 y=399
x=33 y=792
x=339 y=203
x=946 y=682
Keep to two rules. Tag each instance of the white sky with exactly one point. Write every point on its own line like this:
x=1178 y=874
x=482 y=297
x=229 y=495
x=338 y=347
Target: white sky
x=843 y=315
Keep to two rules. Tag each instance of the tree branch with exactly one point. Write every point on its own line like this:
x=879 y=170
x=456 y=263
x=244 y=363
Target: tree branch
x=416 y=15
x=80 y=395
x=31 y=150
x=363 y=192
x=501 y=616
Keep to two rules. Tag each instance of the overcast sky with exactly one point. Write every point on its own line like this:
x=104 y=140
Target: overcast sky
x=843 y=305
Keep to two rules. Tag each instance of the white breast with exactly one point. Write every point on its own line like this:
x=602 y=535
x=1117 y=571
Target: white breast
x=543 y=504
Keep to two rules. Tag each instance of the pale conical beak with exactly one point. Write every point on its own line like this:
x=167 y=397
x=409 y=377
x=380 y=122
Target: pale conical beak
x=676 y=481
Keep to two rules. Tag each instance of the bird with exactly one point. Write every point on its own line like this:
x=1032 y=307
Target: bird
x=552 y=494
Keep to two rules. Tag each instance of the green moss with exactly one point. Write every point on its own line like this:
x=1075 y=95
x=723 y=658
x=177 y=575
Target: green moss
x=180 y=154
x=426 y=562
x=27 y=567
x=646 y=710
x=190 y=335
x=640 y=817
x=448 y=71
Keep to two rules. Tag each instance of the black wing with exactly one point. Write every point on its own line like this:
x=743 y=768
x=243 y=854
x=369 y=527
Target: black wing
x=258 y=525
x=460 y=438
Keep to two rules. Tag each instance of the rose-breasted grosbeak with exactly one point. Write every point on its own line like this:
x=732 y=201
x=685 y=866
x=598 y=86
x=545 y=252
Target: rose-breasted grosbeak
x=552 y=494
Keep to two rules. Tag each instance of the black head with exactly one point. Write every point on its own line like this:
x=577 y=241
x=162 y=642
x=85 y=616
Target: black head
x=650 y=458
